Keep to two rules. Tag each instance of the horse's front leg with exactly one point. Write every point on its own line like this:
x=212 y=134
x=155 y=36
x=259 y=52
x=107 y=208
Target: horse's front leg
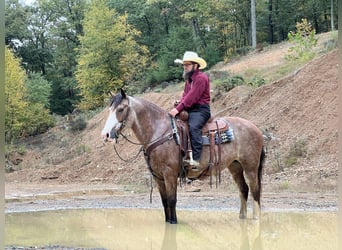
x=168 y=194
x=171 y=191
x=172 y=200
x=163 y=196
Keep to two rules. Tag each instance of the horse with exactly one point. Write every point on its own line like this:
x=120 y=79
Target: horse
x=154 y=129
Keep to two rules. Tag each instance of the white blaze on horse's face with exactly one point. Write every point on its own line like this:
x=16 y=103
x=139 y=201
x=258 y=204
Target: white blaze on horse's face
x=111 y=127
x=118 y=114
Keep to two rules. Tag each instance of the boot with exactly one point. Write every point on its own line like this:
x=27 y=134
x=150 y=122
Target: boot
x=195 y=165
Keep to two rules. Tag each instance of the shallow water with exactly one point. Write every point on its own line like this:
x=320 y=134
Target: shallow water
x=139 y=229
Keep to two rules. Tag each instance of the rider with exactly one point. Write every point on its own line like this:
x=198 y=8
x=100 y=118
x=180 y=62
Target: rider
x=195 y=100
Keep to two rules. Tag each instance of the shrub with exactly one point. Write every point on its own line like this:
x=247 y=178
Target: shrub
x=78 y=124
x=296 y=151
x=256 y=81
x=227 y=84
x=304 y=39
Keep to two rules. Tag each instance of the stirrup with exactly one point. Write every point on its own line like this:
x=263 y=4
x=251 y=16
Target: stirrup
x=195 y=165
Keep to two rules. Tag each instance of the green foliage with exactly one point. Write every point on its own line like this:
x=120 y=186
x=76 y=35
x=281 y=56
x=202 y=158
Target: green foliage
x=82 y=148
x=46 y=36
x=15 y=103
x=38 y=90
x=229 y=83
x=25 y=112
x=61 y=72
x=38 y=120
x=78 y=124
x=304 y=40
x=256 y=81
x=16 y=17
x=297 y=150
x=332 y=43
x=109 y=56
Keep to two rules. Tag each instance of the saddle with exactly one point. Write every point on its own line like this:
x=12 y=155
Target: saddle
x=211 y=136
x=214 y=125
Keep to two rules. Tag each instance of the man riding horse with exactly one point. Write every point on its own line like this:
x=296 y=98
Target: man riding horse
x=195 y=100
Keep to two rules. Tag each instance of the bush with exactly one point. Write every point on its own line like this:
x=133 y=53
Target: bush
x=304 y=39
x=256 y=81
x=296 y=151
x=331 y=43
x=78 y=124
x=227 y=84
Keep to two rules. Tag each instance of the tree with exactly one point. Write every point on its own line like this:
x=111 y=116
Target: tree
x=332 y=15
x=109 y=55
x=15 y=103
x=38 y=90
x=253 y=24
x=61 y=72
x=25 y=101
x=16 y=19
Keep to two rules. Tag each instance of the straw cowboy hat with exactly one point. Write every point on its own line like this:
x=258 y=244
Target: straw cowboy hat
x=190 y=56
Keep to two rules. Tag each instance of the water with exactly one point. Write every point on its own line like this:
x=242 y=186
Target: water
x=139 y=229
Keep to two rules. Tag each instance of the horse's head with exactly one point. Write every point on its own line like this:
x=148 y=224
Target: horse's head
x=118 y=114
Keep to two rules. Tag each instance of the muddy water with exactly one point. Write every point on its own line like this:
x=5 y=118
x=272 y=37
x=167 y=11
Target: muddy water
x=139 y=229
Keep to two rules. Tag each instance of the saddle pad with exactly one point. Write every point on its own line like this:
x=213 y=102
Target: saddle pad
x=211 y=126
x=226 y=136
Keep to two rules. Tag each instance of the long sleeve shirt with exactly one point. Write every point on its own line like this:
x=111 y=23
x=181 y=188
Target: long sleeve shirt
x=196 y=91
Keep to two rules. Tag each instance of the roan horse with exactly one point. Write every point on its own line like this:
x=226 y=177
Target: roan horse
x=244 y=156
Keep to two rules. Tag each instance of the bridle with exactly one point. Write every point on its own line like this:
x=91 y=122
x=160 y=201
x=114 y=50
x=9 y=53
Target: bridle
x=163 y=137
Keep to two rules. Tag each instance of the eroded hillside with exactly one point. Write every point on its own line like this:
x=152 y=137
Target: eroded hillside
x=297 y=112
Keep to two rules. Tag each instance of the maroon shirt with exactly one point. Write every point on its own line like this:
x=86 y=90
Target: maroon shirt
x=196 y=91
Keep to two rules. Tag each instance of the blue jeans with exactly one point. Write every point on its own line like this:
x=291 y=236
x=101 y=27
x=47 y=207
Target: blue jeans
x=198 y=116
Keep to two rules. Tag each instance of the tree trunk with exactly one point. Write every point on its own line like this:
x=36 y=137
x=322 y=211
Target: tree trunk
x=198 y=34
x=253 y=23
x=332 y=15
x=270 y=23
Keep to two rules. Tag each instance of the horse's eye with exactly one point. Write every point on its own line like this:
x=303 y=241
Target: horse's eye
x=120 y=110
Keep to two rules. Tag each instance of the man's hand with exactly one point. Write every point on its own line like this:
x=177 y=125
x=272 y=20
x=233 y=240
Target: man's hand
x=176 y=103
x=173 y=112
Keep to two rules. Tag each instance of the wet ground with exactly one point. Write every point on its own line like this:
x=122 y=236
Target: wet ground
x=123 y=217
x=35 y=197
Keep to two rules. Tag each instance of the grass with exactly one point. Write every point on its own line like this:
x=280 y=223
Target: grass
x=297 y=150
x=254 y=77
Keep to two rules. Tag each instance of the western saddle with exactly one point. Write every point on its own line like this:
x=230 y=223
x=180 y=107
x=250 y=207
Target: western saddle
x=212 y=127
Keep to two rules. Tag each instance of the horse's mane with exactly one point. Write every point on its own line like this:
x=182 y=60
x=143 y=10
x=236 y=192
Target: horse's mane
x=157 y=109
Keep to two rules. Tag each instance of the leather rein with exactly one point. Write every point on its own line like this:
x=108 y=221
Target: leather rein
x=152 y=144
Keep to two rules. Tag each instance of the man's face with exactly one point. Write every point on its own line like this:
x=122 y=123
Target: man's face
x=189 y=68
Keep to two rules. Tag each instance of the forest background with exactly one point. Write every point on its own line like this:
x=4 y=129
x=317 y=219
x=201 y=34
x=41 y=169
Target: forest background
x=68 y=55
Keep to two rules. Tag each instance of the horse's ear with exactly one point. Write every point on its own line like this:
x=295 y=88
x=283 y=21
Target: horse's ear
x=123 y=94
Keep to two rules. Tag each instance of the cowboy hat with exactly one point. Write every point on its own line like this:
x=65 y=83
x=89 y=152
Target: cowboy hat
x=190 y=56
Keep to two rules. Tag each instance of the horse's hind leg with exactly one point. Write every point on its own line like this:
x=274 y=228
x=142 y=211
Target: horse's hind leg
x=237 y=173
x=256 y=193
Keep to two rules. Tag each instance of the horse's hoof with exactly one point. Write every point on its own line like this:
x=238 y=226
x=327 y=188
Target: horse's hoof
x=172 y=221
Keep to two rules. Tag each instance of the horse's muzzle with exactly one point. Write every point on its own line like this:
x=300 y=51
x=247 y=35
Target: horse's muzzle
x=113 y=135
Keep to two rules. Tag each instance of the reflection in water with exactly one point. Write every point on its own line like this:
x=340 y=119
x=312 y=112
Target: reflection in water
x=170 y=240
x=245 y=241
x=145 y=229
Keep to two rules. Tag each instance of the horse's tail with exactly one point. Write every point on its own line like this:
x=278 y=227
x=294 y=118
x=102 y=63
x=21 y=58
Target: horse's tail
x=260 y=168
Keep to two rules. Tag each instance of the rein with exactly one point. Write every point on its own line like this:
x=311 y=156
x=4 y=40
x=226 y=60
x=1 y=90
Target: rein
x=151 y=143
x=130 y=159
